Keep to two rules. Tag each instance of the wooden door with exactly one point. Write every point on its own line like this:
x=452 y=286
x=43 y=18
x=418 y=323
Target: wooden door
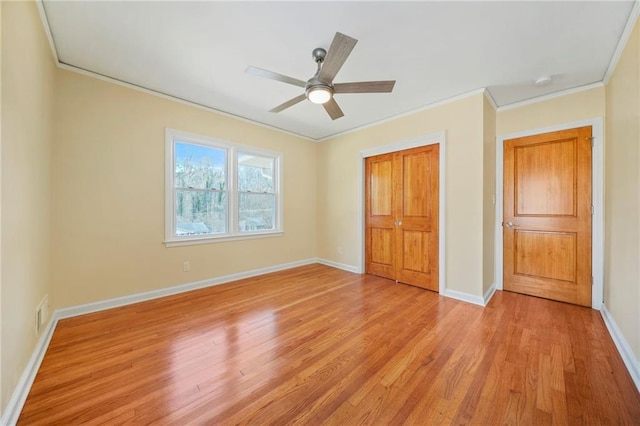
x=401 y=227
x=380 y=222
x=547 y=215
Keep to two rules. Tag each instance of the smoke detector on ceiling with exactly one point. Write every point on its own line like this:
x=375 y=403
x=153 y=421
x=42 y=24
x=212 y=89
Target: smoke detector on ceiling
x=542 y=81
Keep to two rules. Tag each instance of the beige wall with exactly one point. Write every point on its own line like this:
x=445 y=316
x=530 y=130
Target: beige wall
x=564 y=109
x=622 y=194
x=489 y=200
x=338 y=185
x=27 y=95
x=108 y=194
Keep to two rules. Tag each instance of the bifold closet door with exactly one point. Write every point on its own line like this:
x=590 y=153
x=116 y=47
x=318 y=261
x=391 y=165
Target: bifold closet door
x=401 y=224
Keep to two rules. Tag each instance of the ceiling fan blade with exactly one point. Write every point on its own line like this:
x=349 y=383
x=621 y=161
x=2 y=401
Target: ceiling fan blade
x=365 y=87
x=339 y=51
x=333 y=109
x=275 y=76
x=289 y=103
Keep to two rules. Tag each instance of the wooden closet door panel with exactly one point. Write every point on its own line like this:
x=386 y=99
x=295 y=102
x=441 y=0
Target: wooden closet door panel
x=380 y=238
x=417 y=214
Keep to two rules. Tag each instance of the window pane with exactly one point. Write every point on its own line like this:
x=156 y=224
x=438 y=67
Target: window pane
x=255 y=173
x=200 y=212
x=257 y=212
x=198 y=166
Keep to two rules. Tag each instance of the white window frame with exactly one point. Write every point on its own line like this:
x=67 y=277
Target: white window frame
x=233 y=233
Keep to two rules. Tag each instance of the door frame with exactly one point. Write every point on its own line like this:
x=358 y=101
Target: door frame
x=425 y=140
x=597 y=199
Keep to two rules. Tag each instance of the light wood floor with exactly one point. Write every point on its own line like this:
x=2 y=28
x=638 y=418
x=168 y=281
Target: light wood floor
x=318 y=345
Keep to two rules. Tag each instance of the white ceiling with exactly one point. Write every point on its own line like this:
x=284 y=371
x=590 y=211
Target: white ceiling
x=198 y=51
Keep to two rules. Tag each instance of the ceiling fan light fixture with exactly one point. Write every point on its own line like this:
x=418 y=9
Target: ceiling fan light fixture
x=319 y=94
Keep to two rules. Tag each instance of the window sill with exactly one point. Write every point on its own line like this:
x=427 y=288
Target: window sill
x=211 y=240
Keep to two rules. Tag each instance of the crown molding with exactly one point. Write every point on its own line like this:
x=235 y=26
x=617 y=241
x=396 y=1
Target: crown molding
x=624 y=38
x=47 y=30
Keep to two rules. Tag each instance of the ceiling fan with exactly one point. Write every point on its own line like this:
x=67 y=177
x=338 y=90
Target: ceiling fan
x=320 y=88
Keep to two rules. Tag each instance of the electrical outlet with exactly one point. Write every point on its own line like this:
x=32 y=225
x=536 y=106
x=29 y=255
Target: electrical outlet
x=42 y=312
x=186 y=266
x=38 y=320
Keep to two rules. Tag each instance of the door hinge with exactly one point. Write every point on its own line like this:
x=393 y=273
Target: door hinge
x=592 y=280
x=592 y=209
x=591 y=138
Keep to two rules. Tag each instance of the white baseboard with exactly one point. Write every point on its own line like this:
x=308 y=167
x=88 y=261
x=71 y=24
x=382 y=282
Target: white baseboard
x=465 y=297
x=169 y=291
x=343 y=266
x=21 y=391
x=489 y=293
x=628 y=357
x=472 y=298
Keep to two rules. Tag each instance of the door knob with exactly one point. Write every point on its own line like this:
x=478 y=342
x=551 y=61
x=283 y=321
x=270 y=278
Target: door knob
x=509 y=224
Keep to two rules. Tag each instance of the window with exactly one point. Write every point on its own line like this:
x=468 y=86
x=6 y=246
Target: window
x=219 y=191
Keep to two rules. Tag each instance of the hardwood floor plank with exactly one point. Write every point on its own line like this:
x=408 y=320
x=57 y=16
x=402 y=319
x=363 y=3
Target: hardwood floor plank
x=316 y=345
x=544 y=388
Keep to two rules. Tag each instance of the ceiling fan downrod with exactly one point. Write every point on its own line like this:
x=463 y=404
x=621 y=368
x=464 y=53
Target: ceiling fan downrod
x=315 y=90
